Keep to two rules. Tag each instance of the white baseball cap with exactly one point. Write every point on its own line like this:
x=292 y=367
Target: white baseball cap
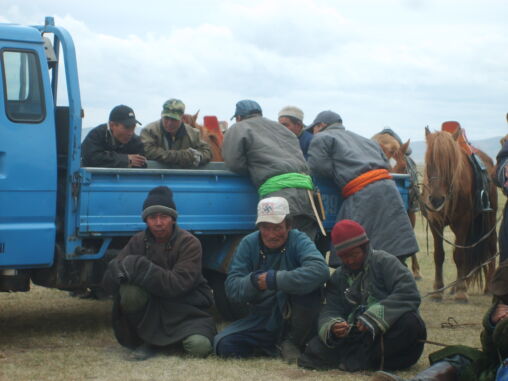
x=293 y=111
x=272 y=210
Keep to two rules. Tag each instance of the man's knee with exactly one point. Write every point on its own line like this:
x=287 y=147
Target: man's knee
x=132 y=298
x=197 y=345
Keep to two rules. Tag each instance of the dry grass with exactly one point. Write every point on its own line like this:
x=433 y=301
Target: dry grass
x=47 y=335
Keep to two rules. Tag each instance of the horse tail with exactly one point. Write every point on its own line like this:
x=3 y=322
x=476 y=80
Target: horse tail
x=481 y=226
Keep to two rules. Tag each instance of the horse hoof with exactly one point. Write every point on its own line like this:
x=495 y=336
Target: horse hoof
x=417 y=276
x=462 y=298
x=437 y=297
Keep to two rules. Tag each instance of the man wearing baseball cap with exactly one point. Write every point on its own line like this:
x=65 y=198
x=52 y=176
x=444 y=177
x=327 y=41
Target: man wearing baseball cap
x=172 y=142
x=272 y=156
x=279 y=271
x=359 y=168
x=371 y=303
x=114 y=144
x=291 y=117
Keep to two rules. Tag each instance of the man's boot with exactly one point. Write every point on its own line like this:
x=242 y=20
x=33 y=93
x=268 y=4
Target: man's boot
x=440 y=371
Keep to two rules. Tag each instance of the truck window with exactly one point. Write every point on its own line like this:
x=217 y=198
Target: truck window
x=23 y=86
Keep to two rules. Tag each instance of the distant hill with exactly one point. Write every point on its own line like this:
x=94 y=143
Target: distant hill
x=490 y=146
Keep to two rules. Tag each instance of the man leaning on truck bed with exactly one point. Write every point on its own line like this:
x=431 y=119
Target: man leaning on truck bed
x=172 y=142
x=114 y=144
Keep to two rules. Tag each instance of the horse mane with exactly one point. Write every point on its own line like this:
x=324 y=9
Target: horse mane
x=445 y=157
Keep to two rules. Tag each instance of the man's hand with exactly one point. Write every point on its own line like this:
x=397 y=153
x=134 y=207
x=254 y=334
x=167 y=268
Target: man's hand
x=341 y=329
x=499 y=313
x=262 y=281
x=361 y=327
x=136 y=161
x=197 y=156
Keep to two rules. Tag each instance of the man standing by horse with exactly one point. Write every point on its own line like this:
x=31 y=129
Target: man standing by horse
x=502 y=182
x=172 y=142
x=359 y=169
x=271 y=155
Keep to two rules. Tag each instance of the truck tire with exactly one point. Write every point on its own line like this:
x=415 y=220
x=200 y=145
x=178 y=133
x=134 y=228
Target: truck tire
x=229 y=311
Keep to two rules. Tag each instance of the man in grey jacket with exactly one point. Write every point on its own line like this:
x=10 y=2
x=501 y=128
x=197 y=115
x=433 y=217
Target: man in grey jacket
x=370 y=319
x=359 y=168
x=271 y=155
x=172 y=142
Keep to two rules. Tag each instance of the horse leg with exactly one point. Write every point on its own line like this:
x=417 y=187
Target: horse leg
x=461 y=295
x=415 y=266
x=437 y=233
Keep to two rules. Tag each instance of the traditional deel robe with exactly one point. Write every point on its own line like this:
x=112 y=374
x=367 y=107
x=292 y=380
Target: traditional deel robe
x=100 y=149
x=384 y=290
x=501 y=163
x=300 y=268
x=384 y=297
x=484 y=363
x=180 y=297
x=343 y=156
x=262 y=149
x=172 y=150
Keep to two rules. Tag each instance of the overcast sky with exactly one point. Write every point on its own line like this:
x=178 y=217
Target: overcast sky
x=399 y=63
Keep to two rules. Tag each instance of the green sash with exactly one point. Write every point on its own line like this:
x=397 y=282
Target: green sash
x=287 y=180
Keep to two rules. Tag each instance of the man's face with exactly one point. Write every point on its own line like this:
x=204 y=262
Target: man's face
x=161 y=225
x=354 y=258
x=170 y=125
x=295 y=128
x=274 y=235
x=121 y=132
x=319 y=127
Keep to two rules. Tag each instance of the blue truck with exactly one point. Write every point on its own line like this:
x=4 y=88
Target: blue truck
x=60 y=223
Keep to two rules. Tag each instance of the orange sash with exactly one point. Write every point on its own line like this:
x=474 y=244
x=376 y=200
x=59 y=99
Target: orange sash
x=363 y=180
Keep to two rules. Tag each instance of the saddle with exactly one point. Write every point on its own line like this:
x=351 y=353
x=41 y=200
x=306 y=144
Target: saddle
x=481 y=177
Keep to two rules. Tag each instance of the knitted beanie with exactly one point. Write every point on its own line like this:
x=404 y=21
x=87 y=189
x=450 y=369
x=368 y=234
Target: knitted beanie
x=348 y=234
x=159 y=200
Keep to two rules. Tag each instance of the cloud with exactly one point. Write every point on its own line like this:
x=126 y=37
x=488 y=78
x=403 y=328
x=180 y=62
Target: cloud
x=399 y=63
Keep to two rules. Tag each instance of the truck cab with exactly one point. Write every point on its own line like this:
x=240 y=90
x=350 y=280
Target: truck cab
x=28 y=179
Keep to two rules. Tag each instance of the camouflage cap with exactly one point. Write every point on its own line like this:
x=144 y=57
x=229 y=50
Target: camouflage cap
x=173 y=108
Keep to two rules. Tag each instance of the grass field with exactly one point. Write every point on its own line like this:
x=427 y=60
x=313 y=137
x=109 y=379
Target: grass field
x=47 y=335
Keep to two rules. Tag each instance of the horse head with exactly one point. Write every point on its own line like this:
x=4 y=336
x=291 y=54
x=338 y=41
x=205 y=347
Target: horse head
x=442 y=164
x=400 y=158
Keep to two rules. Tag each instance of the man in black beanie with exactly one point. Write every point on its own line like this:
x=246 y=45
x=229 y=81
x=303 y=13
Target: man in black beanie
x=160 y=295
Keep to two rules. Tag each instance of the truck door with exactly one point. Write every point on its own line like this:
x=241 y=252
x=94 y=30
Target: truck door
x=28 y=178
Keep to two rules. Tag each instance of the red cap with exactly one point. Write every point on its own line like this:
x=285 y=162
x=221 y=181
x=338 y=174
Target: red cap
x=348 y=234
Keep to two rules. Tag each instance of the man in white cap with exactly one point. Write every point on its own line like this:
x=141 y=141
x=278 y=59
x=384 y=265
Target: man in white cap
x=291 y=117
x=280 y=272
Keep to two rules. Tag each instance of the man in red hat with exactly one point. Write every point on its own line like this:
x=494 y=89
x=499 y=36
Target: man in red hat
x=370 y=320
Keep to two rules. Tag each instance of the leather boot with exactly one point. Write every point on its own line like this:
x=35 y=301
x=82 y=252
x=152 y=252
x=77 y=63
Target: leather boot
x=440 y=371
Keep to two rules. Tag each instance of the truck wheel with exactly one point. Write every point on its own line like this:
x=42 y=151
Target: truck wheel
x=228 y=310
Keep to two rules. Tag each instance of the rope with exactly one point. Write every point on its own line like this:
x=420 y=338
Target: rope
x=452 y=323
x=471 y=273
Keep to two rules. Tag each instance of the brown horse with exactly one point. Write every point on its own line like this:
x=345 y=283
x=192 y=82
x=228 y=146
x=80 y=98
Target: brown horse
x=448 y=199
x=396 y=154
x=213 y=138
